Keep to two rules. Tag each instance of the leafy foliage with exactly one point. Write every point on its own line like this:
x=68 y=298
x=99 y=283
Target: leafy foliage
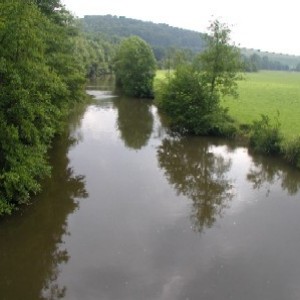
x=191 y=96
x=255 y=62
x=159 y=36
x=186 y=101
x=40 y=79
x=220 y=61
x=135 y=67
x=265 y=137
x=256 y=59
x=291 y=151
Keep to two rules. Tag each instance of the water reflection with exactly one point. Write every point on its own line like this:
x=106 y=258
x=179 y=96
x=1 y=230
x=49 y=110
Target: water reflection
x=199 y=174
x=266 y=171
x=31 y=240
x=135 y=121
x=103 y=83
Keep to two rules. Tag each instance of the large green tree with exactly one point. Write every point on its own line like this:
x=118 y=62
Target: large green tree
x=191 y=95
x=135 y=67
x=39 y=81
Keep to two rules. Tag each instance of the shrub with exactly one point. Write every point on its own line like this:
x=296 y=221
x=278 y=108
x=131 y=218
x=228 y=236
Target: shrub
x=291 y=151
x=189 y=103
x=265 y=137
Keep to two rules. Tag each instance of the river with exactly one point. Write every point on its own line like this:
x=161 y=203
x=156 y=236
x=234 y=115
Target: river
x=134 y=212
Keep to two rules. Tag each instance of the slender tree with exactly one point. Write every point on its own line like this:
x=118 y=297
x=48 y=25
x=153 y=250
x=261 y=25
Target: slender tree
x=221 y=60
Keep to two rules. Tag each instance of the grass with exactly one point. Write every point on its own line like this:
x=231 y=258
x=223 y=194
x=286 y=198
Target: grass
x=268 y=92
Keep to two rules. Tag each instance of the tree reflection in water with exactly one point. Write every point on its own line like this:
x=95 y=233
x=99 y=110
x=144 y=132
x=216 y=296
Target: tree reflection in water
x=199 y=174
x=31 y=241
x=135 y=121
x=265 y=171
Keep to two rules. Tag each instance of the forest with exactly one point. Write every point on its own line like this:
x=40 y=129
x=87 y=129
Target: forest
x=44 y=61
x=165 y=40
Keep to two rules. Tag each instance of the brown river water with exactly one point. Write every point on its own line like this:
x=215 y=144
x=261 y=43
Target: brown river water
x=132 y=212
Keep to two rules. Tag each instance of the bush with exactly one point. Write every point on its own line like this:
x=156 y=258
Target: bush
x=264 y=137
x=190 y=104
x=291 y=151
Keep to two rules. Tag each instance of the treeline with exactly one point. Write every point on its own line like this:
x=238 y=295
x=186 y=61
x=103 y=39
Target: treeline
x=170 y=43
x=165 y=40
x=96 y=53
x=283 y=59
x=255 y=62
x=44 y=59
x=157 y=35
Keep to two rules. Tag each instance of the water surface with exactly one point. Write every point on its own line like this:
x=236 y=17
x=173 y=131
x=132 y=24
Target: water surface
x=134 y=212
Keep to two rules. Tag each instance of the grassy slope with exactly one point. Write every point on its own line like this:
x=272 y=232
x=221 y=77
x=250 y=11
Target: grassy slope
x=266 y=93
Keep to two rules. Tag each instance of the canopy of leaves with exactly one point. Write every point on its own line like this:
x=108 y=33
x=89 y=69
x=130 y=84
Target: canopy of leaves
x=40 y=79
x=157 y=35
x=191 y=96
x=135 y=67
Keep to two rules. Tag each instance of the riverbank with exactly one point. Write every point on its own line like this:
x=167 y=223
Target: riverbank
x=268 y=92
x=264 y=92
x=160 y=216
x=276 y=97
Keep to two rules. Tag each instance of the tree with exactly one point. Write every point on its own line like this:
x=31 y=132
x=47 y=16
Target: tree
x=135 y=68
x=39 y=80
x=187 y=101
x=191 y=95
x=221 y=61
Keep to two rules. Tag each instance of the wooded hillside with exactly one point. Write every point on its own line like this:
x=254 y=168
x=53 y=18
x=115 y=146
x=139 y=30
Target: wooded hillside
x=163 y=37
x=157 y=35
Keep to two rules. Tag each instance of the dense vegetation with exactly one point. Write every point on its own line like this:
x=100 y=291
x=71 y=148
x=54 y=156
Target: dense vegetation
x=265 y=59
x=162 y=37
x=166 y=41
x=135 y=68
x=266 y=112
x=255 y=62
x=42 y=74
x=191 y=95
x=45 y=59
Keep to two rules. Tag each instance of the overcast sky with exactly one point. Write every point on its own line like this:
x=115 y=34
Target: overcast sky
x=261 y=24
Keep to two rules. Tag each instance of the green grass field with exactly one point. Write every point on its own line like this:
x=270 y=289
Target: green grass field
x=266 y=92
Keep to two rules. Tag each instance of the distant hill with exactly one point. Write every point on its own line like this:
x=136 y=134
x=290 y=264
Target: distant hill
x=163 y=37
x=157 y=35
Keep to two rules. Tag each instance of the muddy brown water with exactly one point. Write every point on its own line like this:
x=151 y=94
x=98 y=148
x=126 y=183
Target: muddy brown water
x=134 y=212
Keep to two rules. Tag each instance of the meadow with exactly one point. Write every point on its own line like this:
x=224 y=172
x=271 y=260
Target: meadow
x=271 y=93
x=268 y=93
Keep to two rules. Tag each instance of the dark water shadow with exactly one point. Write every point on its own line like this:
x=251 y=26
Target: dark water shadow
x=31 y=247
x=266 y=171
x=135 y=121
x=199 y=174
x=103 y=83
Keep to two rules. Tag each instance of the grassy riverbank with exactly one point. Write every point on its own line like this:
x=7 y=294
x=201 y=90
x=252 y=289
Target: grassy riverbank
x=266 y=92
